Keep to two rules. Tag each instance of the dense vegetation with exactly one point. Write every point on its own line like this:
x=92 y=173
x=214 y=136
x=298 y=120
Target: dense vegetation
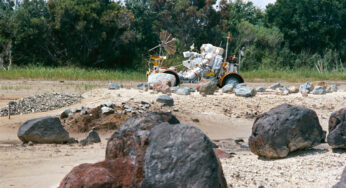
x=290 y=34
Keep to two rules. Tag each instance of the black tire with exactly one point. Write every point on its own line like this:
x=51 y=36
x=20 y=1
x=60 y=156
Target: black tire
x=232 y=79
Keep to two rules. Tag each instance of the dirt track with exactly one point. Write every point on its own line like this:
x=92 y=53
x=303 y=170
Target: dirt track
x=221 y=116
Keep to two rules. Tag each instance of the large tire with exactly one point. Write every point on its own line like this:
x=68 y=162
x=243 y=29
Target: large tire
x=232 y=78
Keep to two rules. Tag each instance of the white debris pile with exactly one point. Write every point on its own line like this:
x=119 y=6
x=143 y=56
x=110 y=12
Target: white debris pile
x=208 y=62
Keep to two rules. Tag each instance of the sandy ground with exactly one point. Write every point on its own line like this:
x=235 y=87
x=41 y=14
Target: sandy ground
x=221 y=116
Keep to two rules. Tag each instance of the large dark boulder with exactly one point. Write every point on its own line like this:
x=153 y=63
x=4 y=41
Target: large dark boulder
x=284 y=129
x=342 y=182
x=153 y=150
x=43 y=130
x=337 y=129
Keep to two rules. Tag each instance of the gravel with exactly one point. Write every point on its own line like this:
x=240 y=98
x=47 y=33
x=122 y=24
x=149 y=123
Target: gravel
x=40 y=103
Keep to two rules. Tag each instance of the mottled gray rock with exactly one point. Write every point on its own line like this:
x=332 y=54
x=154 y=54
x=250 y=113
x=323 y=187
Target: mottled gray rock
x=161 y=77
x=183 y=91
x=245 y=91
x=174 y=89
x=319 y=90
x=228 y=88
x=66 y=113
x=337 y=129
x=240 y=85
x=332 y=88
x=180 y=156
x=306 y=88
x=275 y=86
x=284 y=129
x=107 y=110
x=342 y=182
x=43 y=130
x=165 y=99
x=142 y=86
x=206 y=87
x=114 y=86
x=93 y=137
x=261 y=89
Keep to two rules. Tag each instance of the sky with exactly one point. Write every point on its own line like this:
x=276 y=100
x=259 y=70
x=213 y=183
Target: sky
x=262 y=3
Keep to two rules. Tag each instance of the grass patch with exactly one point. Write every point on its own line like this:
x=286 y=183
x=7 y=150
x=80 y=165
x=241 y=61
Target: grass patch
x=10 y=87
x=68 y=73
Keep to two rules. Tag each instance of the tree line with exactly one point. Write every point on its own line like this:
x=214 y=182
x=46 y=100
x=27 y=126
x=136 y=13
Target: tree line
x=289 y=34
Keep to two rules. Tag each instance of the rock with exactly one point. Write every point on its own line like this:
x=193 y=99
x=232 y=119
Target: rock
x=228 y=88
x=319 y=83
x=106 y=110
x=163 y=87
x=261 y=89
x=183 y=91
x=142 y=86
x=43 y=130
x=93 y=137
x=165 y=99
x=161 y=77
x=245 y=91
x=306 y=88
x=293 y=89
x=284 y=129
x=319 y=90
x=65 y=113
x=114 y=86
x=108 y=104
x=337 y=129
x=332 y=88
x=275 y=86
x=174 y=89
x=240 y=85
x=282 y=91
x=206 y=87
x=342 y=182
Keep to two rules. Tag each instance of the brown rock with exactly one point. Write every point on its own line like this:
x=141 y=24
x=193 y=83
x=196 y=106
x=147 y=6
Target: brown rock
x=319 y=83
x=337 y=129
x=163 y=87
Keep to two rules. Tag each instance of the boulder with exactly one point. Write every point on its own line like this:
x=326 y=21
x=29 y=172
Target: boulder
x=107 y=110
x=261 y=89
x=142 y=86
x=161 y=77
x=114 y=86
x=342 y=182
x=284 y=129
x=240 y=85
x=163 y=87
x=319 y=83
x=332 y=88
x=183 y=91
x=44 y=130
x=337 y=129
x=245 y=91
x=228 y=88
x=319 y=90
x=166 y=100
x=206 y=87
x=66 y=113
x=275 y=86
x=93 y=137
x=152 y=150
x=306 y=88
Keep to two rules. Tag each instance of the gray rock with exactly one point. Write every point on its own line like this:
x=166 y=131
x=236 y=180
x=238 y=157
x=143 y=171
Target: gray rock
x=284 y=129
x=142 y=86
x=275 y=86
x=166 y=100
x=183 y=91
x=174 y=89
x=108 y=104
x=207 y=88
x=337 y=129
x=93 y=137
x=240 y=85
x=228 y=88
x=306 y=88
x=342 y=182
x=261 y=89
x=106 y=110
x=161 y=77
x=245 y=91
x=43 y=130
x=319 y=90
x=114 y=86
x=332 y=88
x=66 y=113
